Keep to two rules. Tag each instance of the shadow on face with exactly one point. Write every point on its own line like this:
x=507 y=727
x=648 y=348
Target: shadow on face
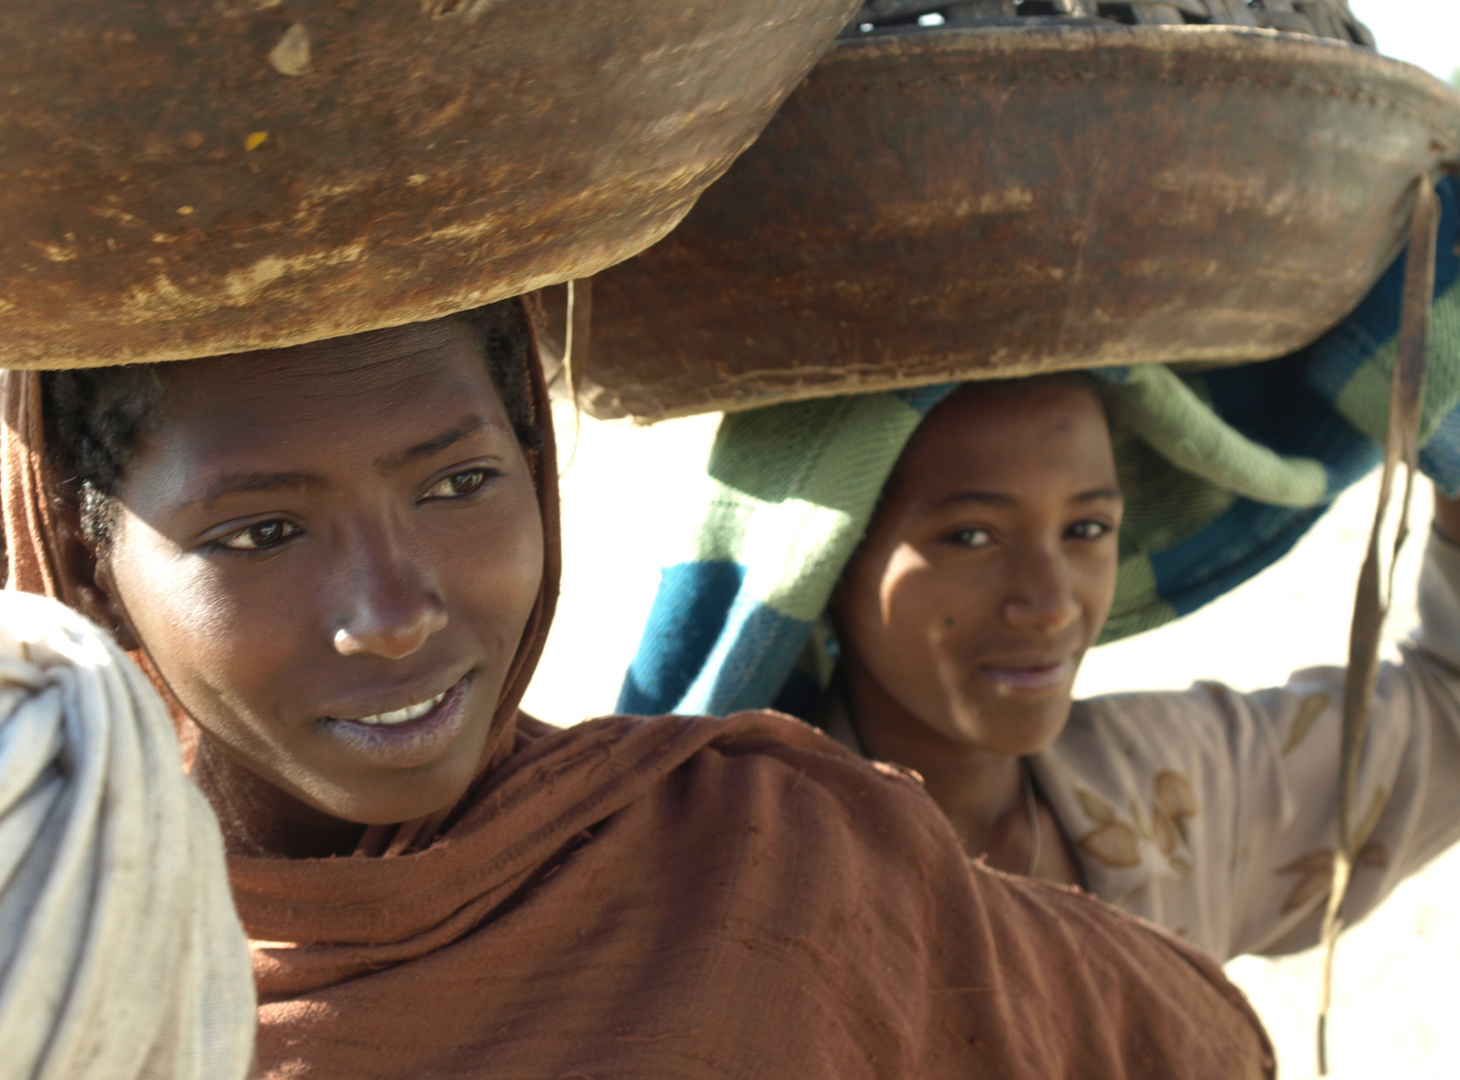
x=988 y=569
x=330 y=553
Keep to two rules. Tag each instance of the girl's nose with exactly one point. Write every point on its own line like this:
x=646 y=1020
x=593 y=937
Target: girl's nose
x=392 y=637
x=391 y=603
x=1039 y=594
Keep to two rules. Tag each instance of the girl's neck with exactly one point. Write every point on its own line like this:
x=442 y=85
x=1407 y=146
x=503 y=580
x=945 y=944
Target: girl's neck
x=982 y=793
x=259 y=819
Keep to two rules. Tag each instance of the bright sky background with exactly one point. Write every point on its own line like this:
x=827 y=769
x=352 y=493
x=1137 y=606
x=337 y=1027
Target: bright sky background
x=1423 y=32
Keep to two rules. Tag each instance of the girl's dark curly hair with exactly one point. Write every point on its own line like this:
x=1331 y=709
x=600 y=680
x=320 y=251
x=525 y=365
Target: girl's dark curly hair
x=95 y=417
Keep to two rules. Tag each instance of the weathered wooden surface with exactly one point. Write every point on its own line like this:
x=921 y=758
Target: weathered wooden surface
x=180 y=178
x=980 y=203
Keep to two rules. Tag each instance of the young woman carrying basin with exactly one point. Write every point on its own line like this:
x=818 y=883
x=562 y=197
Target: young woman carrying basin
x=959 y=618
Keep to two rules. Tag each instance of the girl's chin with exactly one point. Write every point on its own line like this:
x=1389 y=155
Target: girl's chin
x=999 y=728
x=392 y=802
x=385 y=793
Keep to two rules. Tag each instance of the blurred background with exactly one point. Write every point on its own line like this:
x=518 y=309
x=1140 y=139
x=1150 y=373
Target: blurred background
x=1395 y=997
x=1423 y=32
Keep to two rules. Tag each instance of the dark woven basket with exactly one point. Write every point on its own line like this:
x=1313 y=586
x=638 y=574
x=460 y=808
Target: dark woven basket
x=1320 y=18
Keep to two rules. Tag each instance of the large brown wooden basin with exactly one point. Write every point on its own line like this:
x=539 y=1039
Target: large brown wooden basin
x=187 y=177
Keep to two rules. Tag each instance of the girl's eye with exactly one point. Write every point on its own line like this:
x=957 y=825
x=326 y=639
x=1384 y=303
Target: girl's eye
x=972 y=538
x=266 y=534
x=458 y=485
x=1089 y=530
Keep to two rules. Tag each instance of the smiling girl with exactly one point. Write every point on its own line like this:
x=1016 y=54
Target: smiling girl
x=959 y=619
x=986 y=574
x=338 y=611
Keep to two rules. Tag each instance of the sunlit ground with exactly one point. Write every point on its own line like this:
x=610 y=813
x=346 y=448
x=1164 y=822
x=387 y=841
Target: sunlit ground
x=1395 y=992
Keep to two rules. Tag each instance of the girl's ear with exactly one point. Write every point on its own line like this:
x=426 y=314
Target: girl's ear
x=94 y=590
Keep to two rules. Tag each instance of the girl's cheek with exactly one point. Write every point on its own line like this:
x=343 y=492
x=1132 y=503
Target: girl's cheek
x=211 y=636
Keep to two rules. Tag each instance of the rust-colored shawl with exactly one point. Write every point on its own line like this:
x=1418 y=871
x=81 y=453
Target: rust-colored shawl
x=684 y=897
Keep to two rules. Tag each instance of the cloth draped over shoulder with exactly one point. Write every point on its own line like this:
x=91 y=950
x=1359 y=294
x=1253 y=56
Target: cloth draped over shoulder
x=121 y=955
x=687 y=897
x=1223 y=471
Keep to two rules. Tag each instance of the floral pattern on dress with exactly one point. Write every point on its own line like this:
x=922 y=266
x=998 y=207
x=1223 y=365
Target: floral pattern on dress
x=1116 y=843
x=1315 y=869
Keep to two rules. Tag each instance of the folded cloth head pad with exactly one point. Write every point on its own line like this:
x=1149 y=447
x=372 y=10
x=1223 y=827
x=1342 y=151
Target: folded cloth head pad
x=121 y=954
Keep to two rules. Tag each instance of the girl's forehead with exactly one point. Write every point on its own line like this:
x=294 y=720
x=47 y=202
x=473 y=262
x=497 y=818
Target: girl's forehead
x=335 y=403
x=294 y=393
x=1009 y=439
x=418 y=354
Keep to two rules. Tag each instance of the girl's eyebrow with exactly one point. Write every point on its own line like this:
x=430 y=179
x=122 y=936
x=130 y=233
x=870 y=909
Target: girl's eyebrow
x=995 y=498
x=242 y=483
x=468 y=425
x=986 y=498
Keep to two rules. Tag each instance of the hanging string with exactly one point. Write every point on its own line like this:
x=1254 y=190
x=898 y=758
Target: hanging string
x=1375 y=589
x=575 y=353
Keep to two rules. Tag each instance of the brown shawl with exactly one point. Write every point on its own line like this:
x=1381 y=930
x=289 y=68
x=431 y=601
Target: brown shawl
x=685 y=897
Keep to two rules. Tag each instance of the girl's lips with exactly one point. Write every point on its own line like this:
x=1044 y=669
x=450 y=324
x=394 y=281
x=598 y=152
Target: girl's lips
x=1032 y=680
x=413 y=743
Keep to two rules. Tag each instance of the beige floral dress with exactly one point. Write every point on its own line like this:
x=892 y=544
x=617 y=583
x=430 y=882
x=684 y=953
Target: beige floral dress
x=1214 y=813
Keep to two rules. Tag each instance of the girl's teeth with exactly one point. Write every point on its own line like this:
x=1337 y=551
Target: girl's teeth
x=402 y=716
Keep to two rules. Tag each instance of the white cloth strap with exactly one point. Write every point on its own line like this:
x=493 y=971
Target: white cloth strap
x=121 y=954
